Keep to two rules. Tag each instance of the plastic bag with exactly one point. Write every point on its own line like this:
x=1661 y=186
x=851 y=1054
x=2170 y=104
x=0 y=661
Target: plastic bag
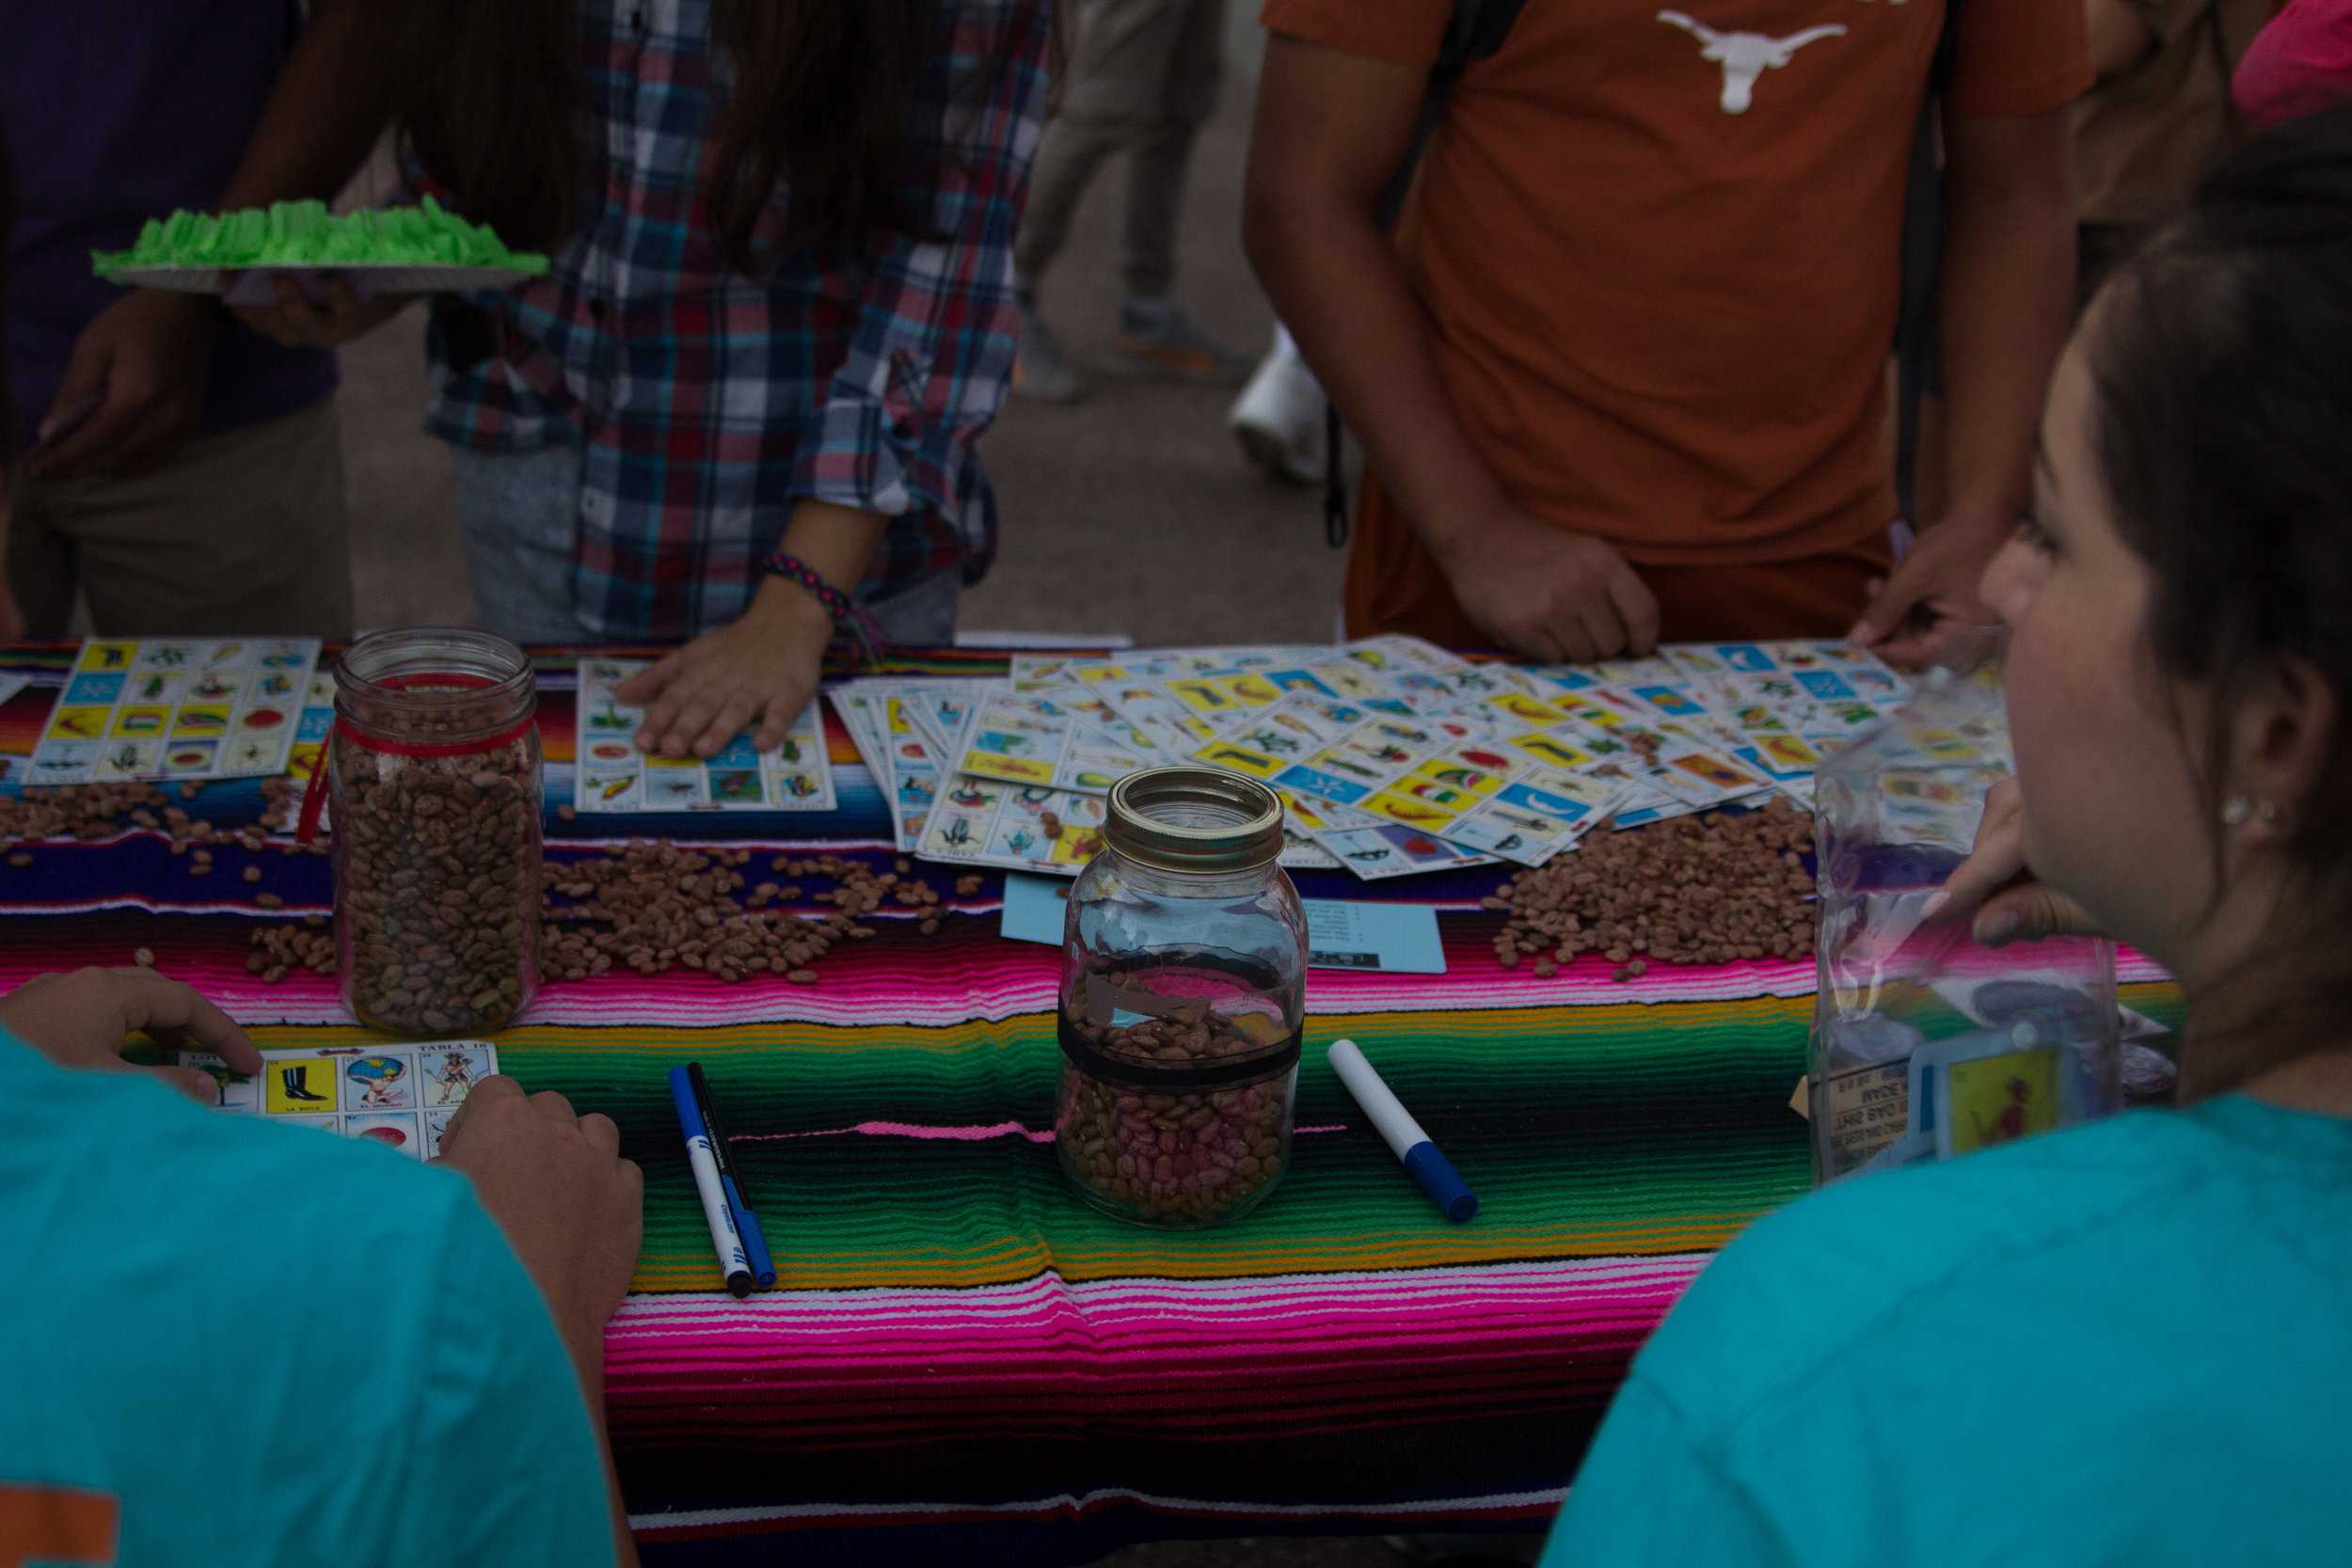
x=1926 y=1045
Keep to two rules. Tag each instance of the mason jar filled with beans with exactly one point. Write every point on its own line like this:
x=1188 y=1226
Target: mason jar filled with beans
x=433 y=782
x=1182 y=997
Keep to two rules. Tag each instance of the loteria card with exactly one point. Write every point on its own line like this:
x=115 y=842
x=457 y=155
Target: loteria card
x=612 y=776
x=399 y=1096
x=177 y=709
x=989 y=822
x=1443 y=779
x=1043 y=740
x=899 y=758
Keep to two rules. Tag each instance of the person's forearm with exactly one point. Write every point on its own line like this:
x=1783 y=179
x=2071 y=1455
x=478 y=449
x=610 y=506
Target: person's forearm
x=2008 y=288
x=324 y=111
x=588 y=1361
x=1337 y=283
x=837 y=543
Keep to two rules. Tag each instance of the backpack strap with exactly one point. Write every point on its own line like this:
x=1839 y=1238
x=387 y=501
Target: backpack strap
x=1477 y=32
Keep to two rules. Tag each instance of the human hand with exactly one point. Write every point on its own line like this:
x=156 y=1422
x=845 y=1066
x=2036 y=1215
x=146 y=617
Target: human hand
x=11 y=614
x=761 y=670
x=139 y=369
x=1547 y=594
x=572 y=1209
x=1922 y=612
x=1993 y=887
x=297 y=321
x=79 y=1020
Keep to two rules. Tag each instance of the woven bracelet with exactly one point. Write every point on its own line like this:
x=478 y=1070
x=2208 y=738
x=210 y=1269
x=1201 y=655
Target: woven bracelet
x=846 y=612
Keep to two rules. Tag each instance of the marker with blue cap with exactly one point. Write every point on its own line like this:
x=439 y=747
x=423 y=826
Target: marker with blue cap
x=1403 y=1135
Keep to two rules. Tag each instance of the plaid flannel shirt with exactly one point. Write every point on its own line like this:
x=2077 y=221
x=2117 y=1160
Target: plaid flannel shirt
x=706 y=403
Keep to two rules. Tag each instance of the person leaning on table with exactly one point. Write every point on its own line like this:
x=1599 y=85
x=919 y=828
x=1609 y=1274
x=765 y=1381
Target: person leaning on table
x=237 y=1343
x=2130 y=1341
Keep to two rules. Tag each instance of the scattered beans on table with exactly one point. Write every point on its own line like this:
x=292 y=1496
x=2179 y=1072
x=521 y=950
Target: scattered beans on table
x=1707 y=889
x=650 y=907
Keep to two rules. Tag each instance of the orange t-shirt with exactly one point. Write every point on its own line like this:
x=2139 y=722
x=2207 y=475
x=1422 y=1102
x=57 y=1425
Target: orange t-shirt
x=1662 y=249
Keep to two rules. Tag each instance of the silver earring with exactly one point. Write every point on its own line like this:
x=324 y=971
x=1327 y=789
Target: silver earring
x=2236 y=811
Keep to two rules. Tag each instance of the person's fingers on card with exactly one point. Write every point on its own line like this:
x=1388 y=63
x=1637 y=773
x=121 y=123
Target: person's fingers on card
x=1599 y=622
x=1636 y=608
x=498 y=1088
x=150 y=1003
x=775 y=722
x=1576 y=640
x=645 y=689
x=11 y=616
x=193 y=1082
x=682 y=715
x=735 y=715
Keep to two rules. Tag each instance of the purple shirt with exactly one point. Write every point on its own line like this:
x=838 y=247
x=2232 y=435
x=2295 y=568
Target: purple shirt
x=113 y=112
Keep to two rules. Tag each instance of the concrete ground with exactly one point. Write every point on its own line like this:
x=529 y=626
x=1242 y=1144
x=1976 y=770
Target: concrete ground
x=1131 y=513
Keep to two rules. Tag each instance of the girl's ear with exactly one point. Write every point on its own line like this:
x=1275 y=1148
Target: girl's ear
x=2282 y=732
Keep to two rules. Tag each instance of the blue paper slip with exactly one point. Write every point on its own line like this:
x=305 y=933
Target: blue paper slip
x=1394 y=939
x=1034 y=907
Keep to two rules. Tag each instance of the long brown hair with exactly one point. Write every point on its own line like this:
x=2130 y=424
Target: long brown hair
x=485 y=93
x=2224 y=438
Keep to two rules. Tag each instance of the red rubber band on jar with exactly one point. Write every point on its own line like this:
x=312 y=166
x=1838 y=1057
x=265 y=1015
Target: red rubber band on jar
x=313 y=803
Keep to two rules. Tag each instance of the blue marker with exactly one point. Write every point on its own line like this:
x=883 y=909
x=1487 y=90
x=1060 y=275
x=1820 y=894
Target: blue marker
x=746 y=1223
x=725 y=1240
x=1404 y=1138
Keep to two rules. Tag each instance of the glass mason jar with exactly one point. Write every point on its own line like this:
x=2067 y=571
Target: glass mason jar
x=434 y=780
x=1183 y=995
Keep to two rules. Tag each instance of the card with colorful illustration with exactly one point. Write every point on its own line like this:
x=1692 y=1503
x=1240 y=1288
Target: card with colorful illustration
x=311 y=732
x=611 y=777
x=178 y=709
x=399 y=1096
x=982 y=821
x=894 y=753
x=1053 y=741
x=11 y=686
x=1444 y=779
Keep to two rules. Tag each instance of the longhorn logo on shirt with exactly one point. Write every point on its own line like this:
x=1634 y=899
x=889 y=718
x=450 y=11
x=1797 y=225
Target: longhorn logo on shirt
x=1746 y=56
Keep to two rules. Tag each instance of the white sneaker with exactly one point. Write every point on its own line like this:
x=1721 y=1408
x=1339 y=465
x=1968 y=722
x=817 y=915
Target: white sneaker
x=1278 y=418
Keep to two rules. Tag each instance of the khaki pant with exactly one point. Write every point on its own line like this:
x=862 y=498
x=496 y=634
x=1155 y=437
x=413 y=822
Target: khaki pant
x=1144 y=77
x=243 y=533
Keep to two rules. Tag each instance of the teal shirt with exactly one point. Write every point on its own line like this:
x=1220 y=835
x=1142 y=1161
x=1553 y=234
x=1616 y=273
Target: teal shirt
x=2125 y=1343
x=272 y=1345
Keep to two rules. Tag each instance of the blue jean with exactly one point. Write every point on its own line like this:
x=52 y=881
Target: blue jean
x=518 y=515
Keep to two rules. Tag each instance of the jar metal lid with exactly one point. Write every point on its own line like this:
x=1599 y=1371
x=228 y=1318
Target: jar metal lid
x=1193 y=819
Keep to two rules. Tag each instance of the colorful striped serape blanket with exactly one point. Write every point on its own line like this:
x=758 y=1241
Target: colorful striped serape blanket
x=962 y=1362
